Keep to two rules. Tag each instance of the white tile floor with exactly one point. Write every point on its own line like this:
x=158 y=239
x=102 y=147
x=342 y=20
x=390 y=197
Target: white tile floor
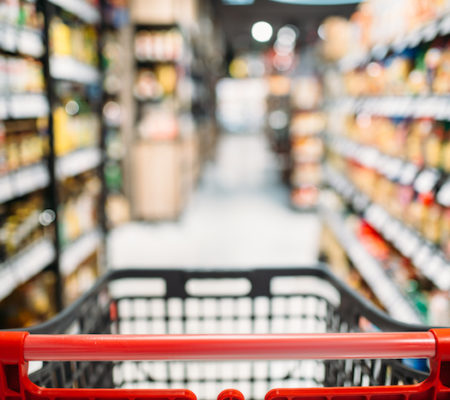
x=238 y=217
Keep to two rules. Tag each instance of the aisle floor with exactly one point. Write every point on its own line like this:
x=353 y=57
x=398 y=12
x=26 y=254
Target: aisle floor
x=239 y=216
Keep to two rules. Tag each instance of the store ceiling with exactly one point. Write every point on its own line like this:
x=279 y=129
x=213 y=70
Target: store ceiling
x=236 y=20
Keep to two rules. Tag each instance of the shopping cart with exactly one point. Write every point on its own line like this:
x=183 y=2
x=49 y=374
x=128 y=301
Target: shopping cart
x=282 y=334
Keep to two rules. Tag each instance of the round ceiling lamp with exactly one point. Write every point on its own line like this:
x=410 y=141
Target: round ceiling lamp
x=262 y=31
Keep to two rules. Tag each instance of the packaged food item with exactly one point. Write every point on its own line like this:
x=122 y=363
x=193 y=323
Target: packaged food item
x=443 y=198
x=81 y=279
x=69 y=38
x=75 y=126
x=433 y=146
x=32 y=303
x=445 y=149
x=78 y=209
x=158 y=45
x=305 y=197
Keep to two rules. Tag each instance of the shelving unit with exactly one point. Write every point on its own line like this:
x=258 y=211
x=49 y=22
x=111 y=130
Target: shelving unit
x=372 y=271
x=165 y=135
x=113 y=51
x=387 y=149
x=429 y=260
x=64 y=78
x=28 y=248
x=75 y=93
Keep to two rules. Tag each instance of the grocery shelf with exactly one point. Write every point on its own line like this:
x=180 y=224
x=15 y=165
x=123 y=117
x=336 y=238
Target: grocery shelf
x=438 y=27
x=437 y=107
x=81 y=8
x=391 y=167
x=69 y=69
x=25 y=180
x=371 y=270
x=427 y=258
x=25 y=265
x=21 y=106
x=22 y=40
x=75 y=253
x=78 y=162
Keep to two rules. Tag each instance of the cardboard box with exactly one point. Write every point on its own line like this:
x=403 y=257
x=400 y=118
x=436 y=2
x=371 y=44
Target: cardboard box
x=184 y=12
x=157 y=186
x=153 y=11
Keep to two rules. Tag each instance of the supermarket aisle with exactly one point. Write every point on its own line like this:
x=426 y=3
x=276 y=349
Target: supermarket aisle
x=238 y=217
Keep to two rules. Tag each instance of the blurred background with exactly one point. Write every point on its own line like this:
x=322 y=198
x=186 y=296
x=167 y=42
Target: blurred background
x=225 y=133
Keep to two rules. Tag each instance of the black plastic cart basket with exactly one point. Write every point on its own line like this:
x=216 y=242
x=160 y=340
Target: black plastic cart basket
x=205 y=331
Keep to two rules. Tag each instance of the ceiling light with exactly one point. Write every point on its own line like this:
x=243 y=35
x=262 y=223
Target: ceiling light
x=262 y=31
x=287 y=35
x=321 y=32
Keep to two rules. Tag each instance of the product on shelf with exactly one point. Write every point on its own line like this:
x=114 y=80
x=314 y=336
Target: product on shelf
x=22 y=143
x=158 y=122
x=75 y=40
x=388 y=147
x=422 y=141
x=430 y=302
x=75 y=126
x=307 y=173
x=21 y=224
x=21 y=75
x=414 y=199
x=21 y=14
x=117 y=209
x=417 y=288
x=307 y=123
x=421 y=70
x=305 y=197
x=147 y=86
x=443 y=198
x=307 y=149
x=78 y=206
x=306 y=93
x=32 y=303
x=158 y=45
x=152 y=84
x=81 y=279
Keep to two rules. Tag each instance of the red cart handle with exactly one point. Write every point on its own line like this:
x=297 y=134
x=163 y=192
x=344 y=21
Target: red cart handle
x=384 y=345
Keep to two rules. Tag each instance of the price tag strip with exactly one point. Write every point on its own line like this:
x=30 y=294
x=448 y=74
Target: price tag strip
x=78 y=251
x=23 y=181
x=69 y=69
x=81 y=8
x=78 y=162
x=26 y=264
